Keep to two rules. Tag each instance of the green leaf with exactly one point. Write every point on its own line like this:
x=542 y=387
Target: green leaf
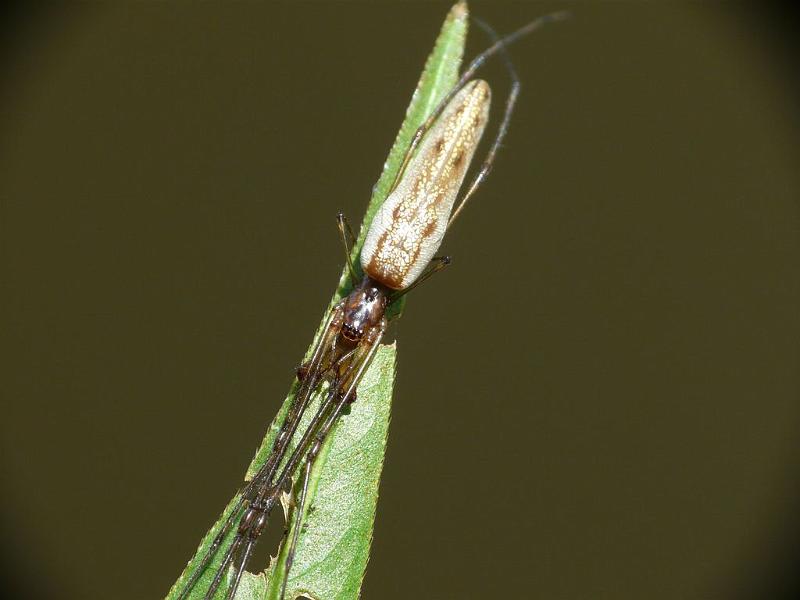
x=333 y=546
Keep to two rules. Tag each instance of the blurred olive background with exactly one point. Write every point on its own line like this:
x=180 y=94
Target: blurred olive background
x=599 y=399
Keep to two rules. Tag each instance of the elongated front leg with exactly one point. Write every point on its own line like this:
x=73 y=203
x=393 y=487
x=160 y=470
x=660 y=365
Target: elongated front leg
x=342 y=393
x=252 y=490
x=312 y=376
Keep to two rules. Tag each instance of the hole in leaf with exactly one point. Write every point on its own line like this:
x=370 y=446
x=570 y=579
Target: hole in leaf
x=269 y=542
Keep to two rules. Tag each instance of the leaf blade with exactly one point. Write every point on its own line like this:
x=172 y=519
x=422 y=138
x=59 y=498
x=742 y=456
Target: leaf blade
x=438 y=77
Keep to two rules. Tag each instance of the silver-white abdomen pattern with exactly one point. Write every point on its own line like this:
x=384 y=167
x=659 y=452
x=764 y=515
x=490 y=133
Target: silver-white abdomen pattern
x=408 y=228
